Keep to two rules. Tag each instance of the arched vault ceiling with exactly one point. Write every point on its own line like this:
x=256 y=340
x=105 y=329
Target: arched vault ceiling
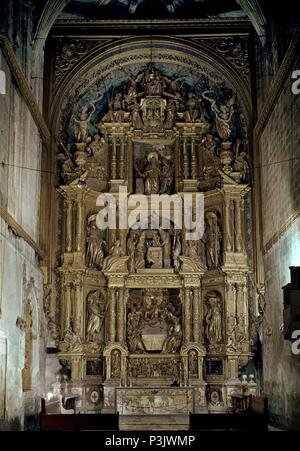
x=104 y=72
x=53 y=9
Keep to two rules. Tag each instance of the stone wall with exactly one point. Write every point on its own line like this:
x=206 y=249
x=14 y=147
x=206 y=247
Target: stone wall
x=21 y=280
x=280 y=193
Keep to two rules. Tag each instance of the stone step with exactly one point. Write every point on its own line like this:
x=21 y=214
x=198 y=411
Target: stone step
x=154 y=422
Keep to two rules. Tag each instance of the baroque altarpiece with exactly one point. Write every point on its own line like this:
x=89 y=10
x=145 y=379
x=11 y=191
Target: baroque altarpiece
x=146 y=321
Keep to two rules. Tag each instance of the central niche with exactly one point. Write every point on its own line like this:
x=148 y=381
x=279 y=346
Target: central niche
x=154 y=321
x=153 y=168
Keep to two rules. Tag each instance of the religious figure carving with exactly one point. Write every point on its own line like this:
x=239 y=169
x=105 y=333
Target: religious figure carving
x=191 y=113
x=166 y=243
x=212 y=238
x=115 y=363
x=152 y=81
x=213 y=319
x=134 y=325
x=67 y=164
x=135 y=117
x=152 y=174
x=211 y=157
x=173 y=341
x=193 y=363
x=81 y=123
x=95 y=315
x=176 y=250
x=95 y=245
x=71 y=341
x=140 y=252
x=241 y=165
x=131 y=245
x=223 y=114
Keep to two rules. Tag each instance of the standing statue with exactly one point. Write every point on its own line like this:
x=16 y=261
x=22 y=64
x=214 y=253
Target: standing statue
x=140 y=252
x=166 y=240
x=136 y=117
x=115 y=363
x=95 y=245
x=213 y=319
x=95 y=316
x=191 y=113
x=223 y=114
x=167 y=173
x=176 y=250
x=134 y=325
x=152 y=174
x=193 y=362
x=81 y=126
x=211 y=157
x=212 y=238
x=170 y=115
x=131 y=245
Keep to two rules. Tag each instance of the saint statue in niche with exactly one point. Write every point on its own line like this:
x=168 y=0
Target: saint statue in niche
x=212 y=238
x=152 y=174
x=95 y=245
x=115 y=363
x=213 y=318
x=95 y=316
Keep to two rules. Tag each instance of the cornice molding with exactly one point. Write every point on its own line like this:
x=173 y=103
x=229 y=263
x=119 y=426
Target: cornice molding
x=21 y=233
x=277 y=85
x=25 y=89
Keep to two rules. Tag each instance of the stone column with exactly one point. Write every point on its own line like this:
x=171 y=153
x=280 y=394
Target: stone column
x=114 y=159
x=196 y=320
x=228 y=224
x=68 y=228
x=67 y=307
x=122 y=155
x=121 y=316
x=187 y=316
x=77 y=313
x=112 y=316
x=193 y=159
x=242 y=307
x=185 y=160
x=238 y=237
x=79 y=224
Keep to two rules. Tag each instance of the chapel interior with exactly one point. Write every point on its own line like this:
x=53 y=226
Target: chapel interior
x=193 y=100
